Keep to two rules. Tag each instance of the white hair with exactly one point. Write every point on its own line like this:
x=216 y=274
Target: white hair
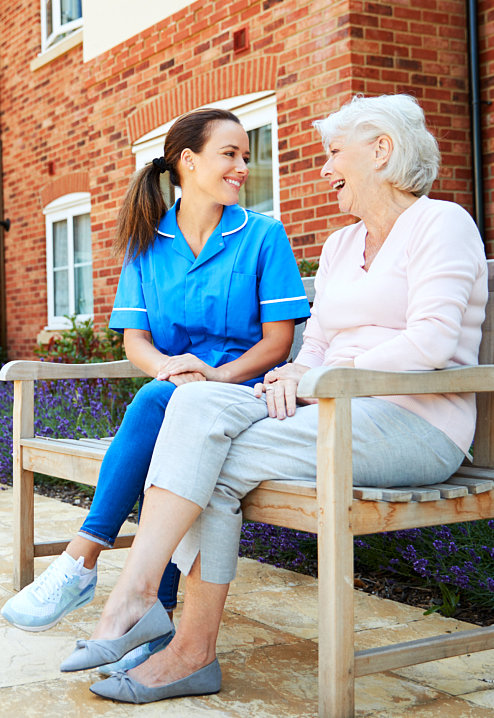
x=414 y=161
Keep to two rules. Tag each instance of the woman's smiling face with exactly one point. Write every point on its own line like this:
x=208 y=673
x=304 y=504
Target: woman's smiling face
x=220 y=169
x=350 y=170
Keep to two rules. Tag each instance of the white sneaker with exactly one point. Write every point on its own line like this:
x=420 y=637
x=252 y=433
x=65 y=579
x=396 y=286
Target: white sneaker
x=63 y=587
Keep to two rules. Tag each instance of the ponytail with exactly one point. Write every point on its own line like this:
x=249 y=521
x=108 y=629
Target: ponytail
x=141 y=211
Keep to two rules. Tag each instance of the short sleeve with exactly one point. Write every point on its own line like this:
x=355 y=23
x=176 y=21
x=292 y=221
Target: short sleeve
x=129 y=308
x=281 y=290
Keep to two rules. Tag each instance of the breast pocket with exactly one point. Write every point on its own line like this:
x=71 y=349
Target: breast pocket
x=243 y=312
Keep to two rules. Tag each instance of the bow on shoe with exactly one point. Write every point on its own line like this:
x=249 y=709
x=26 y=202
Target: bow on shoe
x=121 y=688
x=89 y=654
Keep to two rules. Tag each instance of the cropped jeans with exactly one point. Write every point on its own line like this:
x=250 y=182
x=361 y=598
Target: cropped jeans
x=123 y=473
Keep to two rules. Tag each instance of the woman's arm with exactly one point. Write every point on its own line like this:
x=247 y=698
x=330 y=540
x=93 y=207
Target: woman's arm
x=447 y=289
x=272 y=349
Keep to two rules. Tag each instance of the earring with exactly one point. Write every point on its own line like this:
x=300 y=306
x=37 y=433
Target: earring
x=191 y=167
x=377 y=166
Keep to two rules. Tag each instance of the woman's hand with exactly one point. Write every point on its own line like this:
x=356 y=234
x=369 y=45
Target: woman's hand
x=186 y=377
x=186 y=364
x=280 y=386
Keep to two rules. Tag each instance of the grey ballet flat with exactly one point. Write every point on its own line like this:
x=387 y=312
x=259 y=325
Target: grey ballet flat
x=90 y=654
x=121 y=687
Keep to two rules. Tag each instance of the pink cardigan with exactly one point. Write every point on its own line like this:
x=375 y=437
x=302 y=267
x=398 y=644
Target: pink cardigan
x=420 y=306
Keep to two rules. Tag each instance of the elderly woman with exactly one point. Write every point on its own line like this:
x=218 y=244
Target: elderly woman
x=402 y=289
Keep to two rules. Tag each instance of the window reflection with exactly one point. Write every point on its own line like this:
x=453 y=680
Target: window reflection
x=257 y=192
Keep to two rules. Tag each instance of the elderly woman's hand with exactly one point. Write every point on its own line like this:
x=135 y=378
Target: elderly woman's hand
x=280 y=386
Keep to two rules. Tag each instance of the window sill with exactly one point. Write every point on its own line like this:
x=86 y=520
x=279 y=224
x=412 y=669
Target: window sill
x=57 y=50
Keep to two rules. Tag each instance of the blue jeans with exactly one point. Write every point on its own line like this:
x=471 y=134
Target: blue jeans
x=123 y=473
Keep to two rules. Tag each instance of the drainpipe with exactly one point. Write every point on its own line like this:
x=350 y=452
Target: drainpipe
x=4 y=226
x=473 y=56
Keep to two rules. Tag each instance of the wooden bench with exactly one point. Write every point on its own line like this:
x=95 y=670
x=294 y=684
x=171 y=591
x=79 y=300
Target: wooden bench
x=335 y=510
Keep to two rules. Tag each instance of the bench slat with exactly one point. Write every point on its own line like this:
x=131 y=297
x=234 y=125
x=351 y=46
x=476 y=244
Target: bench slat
x=425 y=494
x=475 y=471
x=366 y=493
x=448 y=491
x=63 y=447
x=399 y=495
x=474 y=486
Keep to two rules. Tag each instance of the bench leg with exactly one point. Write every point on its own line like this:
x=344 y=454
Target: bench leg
x=23 y=427
x=335 y=548
x=23 y=557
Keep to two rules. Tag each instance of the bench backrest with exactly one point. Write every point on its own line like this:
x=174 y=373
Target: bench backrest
x=299 y=328
x=484 y=434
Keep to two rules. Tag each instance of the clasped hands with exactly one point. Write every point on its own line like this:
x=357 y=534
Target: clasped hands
x=185 y=368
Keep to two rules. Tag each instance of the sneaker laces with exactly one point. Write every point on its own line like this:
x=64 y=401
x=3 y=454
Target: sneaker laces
x=48 y=586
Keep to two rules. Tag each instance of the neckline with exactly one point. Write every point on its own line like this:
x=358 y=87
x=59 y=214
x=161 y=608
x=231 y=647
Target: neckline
x=390 y=235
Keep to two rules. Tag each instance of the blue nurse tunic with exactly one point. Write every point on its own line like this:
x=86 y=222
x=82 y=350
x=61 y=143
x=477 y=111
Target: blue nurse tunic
x=212 y=305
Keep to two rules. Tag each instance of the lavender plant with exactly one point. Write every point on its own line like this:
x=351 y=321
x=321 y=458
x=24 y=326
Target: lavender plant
x=295 y=550
x=63 y=409
x=458 y=559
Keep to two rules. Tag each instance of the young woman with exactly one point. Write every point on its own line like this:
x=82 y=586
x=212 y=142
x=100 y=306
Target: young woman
x=208 y=291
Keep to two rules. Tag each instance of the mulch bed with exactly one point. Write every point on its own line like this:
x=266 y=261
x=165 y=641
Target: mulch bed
x=397 y=589
x=381 y=584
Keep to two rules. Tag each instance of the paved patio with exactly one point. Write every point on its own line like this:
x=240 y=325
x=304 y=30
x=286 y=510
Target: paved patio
x=267 y=649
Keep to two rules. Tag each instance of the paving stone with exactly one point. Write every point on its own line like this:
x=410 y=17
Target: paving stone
x=296 y=613
x=481 y=698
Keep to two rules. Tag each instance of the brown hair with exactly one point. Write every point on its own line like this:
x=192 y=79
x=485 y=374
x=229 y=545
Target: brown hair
x=144 y=206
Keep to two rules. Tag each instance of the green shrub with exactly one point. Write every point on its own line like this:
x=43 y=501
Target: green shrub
x=308 y=268
x=81 y=343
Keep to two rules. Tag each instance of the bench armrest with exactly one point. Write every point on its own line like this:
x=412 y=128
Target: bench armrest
x=30 y=370
x=346 y=382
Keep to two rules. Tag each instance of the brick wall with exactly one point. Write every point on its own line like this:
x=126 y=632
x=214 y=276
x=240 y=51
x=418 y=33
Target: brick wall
x=420 y=48
x=72 y=124
x=43 y=120
x=486 y=48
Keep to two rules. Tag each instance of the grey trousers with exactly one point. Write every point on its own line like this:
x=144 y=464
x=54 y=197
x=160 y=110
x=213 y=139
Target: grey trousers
x=217 y=443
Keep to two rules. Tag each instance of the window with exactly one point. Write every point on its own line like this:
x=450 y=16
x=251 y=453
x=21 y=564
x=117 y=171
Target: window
x=257 y=113
x=59 y=18
x=69 y=259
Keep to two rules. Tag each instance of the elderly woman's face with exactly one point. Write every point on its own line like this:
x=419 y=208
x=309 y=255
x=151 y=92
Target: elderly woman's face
x=350 y=169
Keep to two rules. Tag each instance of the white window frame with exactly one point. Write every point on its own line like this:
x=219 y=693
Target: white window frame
x=253 y=110
x=60 y=30
x=63 y=208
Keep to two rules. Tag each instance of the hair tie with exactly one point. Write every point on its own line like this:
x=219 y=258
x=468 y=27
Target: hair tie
x=161 y=164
